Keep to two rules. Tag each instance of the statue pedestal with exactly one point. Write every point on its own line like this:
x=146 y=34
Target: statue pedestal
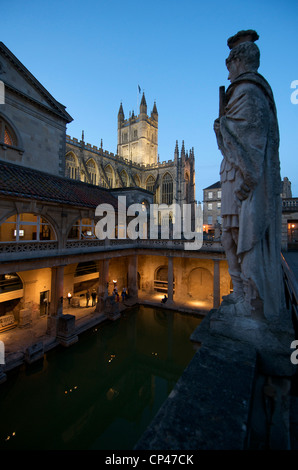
x=271 y=342
x=34 y=353
x=66 y=330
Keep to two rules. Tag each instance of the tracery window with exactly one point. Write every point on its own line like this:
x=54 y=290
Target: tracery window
x=110 y=175
x=167 y=189
x=124 y=178
x=137 y=180
x=150 y=183
x=72 y=170
x=92 y=171
x=150 y=186
x=26 y=227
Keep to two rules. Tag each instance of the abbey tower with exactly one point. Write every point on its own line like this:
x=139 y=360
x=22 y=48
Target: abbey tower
x=138 y=135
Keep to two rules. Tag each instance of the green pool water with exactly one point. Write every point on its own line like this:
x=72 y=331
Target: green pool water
x=102 y=392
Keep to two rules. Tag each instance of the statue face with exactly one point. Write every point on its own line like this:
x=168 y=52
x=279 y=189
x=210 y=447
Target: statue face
x=234 y=68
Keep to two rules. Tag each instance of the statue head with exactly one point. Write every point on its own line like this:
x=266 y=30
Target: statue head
x=244 y=55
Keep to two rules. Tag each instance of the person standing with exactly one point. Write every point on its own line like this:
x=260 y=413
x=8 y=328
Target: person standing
x=87 y=298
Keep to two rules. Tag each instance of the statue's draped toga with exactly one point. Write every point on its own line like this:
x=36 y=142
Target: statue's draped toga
x=248 y=137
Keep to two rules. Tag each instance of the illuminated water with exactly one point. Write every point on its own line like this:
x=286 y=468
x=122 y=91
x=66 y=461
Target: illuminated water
x=102 y=392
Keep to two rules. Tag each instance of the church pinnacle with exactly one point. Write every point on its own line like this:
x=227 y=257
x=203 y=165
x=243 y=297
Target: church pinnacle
x=143 y=105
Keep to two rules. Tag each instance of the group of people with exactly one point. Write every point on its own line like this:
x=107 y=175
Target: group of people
x=124 y=294
x=91 y=295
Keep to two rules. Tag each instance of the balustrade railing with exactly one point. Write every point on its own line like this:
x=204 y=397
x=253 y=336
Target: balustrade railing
x=18 y=247
x=34 y=246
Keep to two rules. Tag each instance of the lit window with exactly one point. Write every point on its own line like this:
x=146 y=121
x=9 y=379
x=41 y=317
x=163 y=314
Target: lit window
x=7 y=138
x=219 y=194
x=7 y=135
x=209 y=206
x=83 y=229
x=218 y=205
x=26 y=227
x=210 y=195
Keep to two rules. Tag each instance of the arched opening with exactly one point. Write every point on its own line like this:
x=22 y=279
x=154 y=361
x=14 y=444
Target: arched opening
x=71 y=166
x=26 y=227
x=11 y=292
x=167 y=189
x=161 y=280
x=85 y=279
x=8 y=136
x=137 y=180
x=200 y=284
x=92 y=171
x=110 y=175
x=124 y=177
x=150 y=182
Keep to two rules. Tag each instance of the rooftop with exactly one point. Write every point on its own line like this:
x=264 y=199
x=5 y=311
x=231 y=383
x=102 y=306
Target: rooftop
x=19 y=181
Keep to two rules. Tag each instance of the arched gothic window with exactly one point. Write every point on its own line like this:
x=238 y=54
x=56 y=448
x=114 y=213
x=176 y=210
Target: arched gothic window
x=150 y=183
x=110 y=175
x=137 y=180
x=7 y=135
x=124 y=178
x=72 y=170
x=92 y=171
x=26 y=227
x=167 y=189
x=150 y=186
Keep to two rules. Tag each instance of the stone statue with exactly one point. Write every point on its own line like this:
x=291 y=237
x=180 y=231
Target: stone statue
x=248 y=137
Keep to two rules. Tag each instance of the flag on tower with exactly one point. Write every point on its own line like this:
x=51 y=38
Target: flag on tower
x=139 y=88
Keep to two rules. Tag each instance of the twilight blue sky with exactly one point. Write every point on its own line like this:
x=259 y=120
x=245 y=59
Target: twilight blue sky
x=91 y=55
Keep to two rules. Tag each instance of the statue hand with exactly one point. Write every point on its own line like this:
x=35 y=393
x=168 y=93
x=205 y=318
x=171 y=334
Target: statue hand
x=242 y=192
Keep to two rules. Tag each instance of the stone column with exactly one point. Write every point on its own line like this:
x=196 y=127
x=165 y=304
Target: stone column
x=216 y=284
x=102 y=291
x=56 y=305
x=170 y=280
x=103 y=278
x=133 y=277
